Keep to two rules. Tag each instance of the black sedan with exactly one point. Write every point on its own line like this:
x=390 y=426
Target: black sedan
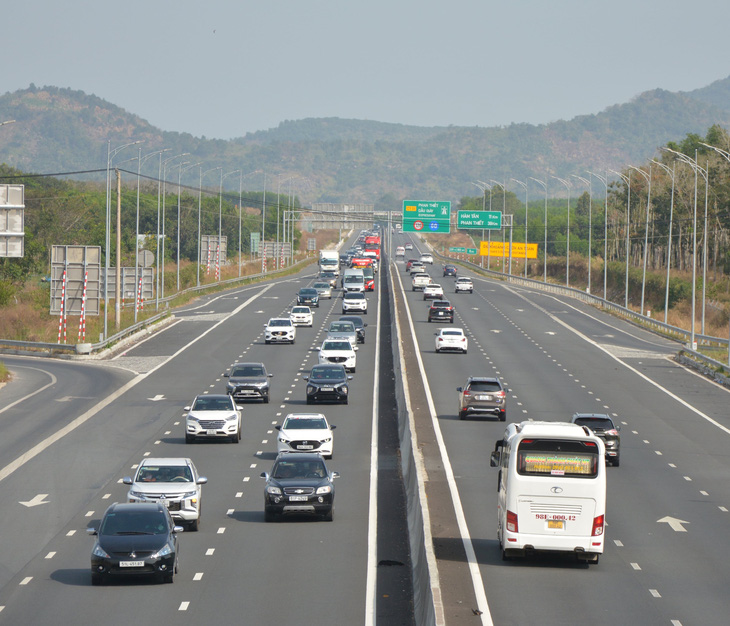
x=359 y=325
x=450 y=270
x=328 y=383
x=441 y=310
x=605 y=428
x=308 y=296
x=299 y=482
x=248 y=381
x=134 y=539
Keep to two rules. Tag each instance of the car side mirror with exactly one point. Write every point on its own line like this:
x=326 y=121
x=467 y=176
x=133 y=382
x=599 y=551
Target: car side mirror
x=91 y=531
x=356 y=348
x=270 y=375
x=187 y=408
x=305 y=378
x=226 y=375
x=178 y=529
x=202 y=480
x=349 y=378
x=264 y=475
x=494 y=458
x=459 y=389
x=332 y=426
x=335 y=475
x=317 y=349
x=278 y=427
x=127 y=480
x=365 y=325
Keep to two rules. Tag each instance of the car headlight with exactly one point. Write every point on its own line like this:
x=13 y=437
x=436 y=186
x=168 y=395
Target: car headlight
x=164 y=551
x=232 y=417
x=343 y=388
x=99 y=551
x=231 y=385
x=136 y=494
x=273 y=490
x=324 y=489
x=283 y=440
x=311 y=389
x=260 y=385
x=190 y=494
x=191 y=418
x=327 y=440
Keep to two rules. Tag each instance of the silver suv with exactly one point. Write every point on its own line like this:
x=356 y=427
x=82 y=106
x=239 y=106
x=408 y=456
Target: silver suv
x=482 y=395
x=174 y=482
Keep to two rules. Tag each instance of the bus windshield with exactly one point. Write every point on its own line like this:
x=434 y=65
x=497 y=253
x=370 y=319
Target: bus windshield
x=554 y=457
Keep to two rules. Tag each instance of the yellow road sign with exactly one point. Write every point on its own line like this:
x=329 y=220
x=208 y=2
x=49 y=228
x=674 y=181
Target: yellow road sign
x=498 y=249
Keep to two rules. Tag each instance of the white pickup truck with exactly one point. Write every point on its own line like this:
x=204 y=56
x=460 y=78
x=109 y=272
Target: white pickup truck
x=420 y=280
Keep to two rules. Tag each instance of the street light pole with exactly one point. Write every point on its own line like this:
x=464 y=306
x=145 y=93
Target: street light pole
x=587 y=182
x=504 y=210
x=220 y=219
x=671 y=174
x=483 y=187
x=489 y=232
x=567 y=243
x=627 y=182
x=604 y=180
x=647 y=178
x=543 y=183
x=179 y=175
x=524 y=186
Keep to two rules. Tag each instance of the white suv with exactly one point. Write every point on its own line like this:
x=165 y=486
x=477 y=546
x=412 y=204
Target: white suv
x=463 y=284
x=305 y=432
x=354 y=302
x=172 y=481
x=214 y=416
x=426 y=258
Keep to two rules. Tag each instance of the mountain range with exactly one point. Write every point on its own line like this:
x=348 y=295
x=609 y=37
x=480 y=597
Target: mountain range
x=342 y=160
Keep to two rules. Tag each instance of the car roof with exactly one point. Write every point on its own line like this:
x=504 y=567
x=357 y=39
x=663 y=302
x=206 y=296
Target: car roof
x=134 y=507
x=449 y=330
x=166 y=461
x=300 y=456
x=329 y=366
x=483 y=379
x=215 y=396
x=601 y=416
x=303 y=415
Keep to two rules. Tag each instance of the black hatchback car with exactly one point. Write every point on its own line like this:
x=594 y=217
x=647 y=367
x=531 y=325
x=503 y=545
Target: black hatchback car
x=308 y=296
x=441 y=310
x=248 y=381
x=359 y=325
x=299 y=482
x=133 y=539
x=604 y=428
x=450 y=270
x=328 y=383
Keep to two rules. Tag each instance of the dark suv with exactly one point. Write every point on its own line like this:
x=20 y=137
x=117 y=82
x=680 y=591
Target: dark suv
x=484 y=396
x=328 y=382
x=299 y=482
x=441 y=310
x=308 y=296
x=248 y=381
x=604 y=428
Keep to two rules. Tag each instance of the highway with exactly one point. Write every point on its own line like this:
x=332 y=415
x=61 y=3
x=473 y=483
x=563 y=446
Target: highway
x=72 y=430
x=667 y=509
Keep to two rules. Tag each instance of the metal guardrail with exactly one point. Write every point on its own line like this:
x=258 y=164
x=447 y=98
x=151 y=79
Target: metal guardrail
x=51 y=349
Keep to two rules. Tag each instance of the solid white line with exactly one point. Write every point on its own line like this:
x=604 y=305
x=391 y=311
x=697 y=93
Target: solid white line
x=371 y=580
x=37 y=391
x=476 y=576
x=79 y=421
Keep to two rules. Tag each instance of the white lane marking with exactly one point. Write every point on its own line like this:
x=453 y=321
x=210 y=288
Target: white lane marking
x=252 y=466
x=70 y=533
x=688 y=479
x=704 y=493
x=658 y=452
x=239 y=494
x=36 y=500
x=655 y=593
x=636 y=566
x=198 y=576
x=674 y=523
x=671 y=465
x=89 y=513
x=618 y=543
x=210 y=552
x=674 y=396
x=26 y=580
x=183 y=606
x=54 y=380
x=372 y=559
x=50 y=555
x=723 y=509
x=221 y=530
x=230 y=511
x=74 y=424
x=246 y=479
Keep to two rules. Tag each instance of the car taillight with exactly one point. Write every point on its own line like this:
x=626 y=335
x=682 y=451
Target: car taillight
x=512 y=525
x=467 y=392
x=597 y=526
x=463 y=338
x=613 y=432
x=440 y=338
x=500 y=394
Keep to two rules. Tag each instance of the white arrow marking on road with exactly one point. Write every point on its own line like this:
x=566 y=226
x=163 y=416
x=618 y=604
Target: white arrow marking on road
x=158 y=397
x=674 y=523
x=39 y=499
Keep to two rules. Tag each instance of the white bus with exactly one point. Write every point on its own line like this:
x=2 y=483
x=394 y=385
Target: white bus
x=551 y=490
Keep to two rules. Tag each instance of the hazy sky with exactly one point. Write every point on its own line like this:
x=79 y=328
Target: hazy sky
x=224 y=68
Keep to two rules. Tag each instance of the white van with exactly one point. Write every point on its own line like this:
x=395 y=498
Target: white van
x=353 y=280
x=551 y=490
x=400 y=251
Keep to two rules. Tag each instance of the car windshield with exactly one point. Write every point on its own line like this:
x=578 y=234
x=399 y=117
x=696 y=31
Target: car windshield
x=307 y=292
x=300 y=309
x=321 y=285
x=249 y=370
x=342 y=327
x=336 y=345
x=279 y=322
x=595 y=423
x=452 y=333
x=441 y=303
x=356 y=321
x=134 y=523
x=327 y=373
x=485 y=385
x=299 y=469
x=354 y=295
x=304 y=423
x=208 y=403
x=164 y=474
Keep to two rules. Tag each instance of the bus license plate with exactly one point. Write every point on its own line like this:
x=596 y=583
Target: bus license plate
x=556 y=523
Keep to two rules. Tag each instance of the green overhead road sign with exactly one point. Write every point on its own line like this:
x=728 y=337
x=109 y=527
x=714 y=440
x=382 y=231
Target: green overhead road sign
x=472 y=251
x=479 y=220
x=461 y=250
x=464 y=250
x=426 y=217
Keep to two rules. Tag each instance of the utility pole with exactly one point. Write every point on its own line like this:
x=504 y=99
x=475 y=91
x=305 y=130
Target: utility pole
x=118 y=282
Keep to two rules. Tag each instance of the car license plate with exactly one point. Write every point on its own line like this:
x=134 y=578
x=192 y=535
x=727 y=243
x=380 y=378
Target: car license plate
x=484 y=398
x=328 y=388
x=556 y=523
x=210 y=432
x=305 y=447
x=131 y=563
x=298 y=498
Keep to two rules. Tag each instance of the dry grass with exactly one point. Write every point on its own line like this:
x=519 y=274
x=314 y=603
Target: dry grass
x=4 y=373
